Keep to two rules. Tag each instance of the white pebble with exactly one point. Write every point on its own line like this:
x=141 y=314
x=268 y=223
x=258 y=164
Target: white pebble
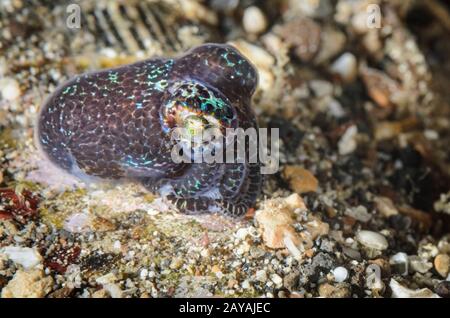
x=340 y=274
x=372 y=240
x=117 y=245
x=25 y=256
x=419 y=264
x=347 y=144
x=106 y=279
x=114 y=290
x=256 y=54
x=9 y=89
x=359 y=213
x=254 y=20
x=276 y=279
x=109 y=52
x=345 y=67
x=219 y=275
x=261 y=275
x=205 y=252
x=292 y=248
x=321 y=88
x=242 y=233
x=399 y=258
x=399 y=291
x=431 y=134
x=335 y=108
x=144 y=273
x=78 y=223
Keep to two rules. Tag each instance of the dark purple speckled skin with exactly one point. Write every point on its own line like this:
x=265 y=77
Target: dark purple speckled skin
x=111 y=124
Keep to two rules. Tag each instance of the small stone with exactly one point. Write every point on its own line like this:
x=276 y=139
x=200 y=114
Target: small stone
x=256 y=54
x=399 y=291
x=261 y=275
x=381 y=88
x=321 y=263
x=106 y=279
x=100 y=224
x=28 y=284
x=428 y=251
x=291 y=280
x=24 y=256
x=385 y=206
x=272 y=42
x=314 y=8
x=205 y=252
x=387 y=130
x=300 y=179
x=381 y=263
x=64 y=292
x=444 y=245
x=302 y=36
x=372 y=240
x=443 y=204
x=352 y=253
x=215 y=268
x=101 y=293
x=329 y=291
x=294 y=201
x=256 y=252
x=419 y=264
x=196 y=11
x=431 y=134
x=276 y=219
x=176 y=263
x=335 y=108
x=262 y=59
x=114 y=290
x=359 y=213
x=372 y=42
x=276 y=279
x=117 y=245
x=441 y=264
x=226 y=6
x=292 y=247
x=346 y=67
x=340 y=274
x=254 y=20
x=348 y=143
x=359 y=22
x=332 y=42
x=242 y=233
x=373 y=278
x=443 y=289
x=78 y=223
x=321 y=88
x=9 y=89
x=143 y=274
x=317 y=228
x=400 y=262
x=246 y=284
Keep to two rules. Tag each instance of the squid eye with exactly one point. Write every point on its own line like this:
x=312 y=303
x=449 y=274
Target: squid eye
x=192 y=105
x=195 y=124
